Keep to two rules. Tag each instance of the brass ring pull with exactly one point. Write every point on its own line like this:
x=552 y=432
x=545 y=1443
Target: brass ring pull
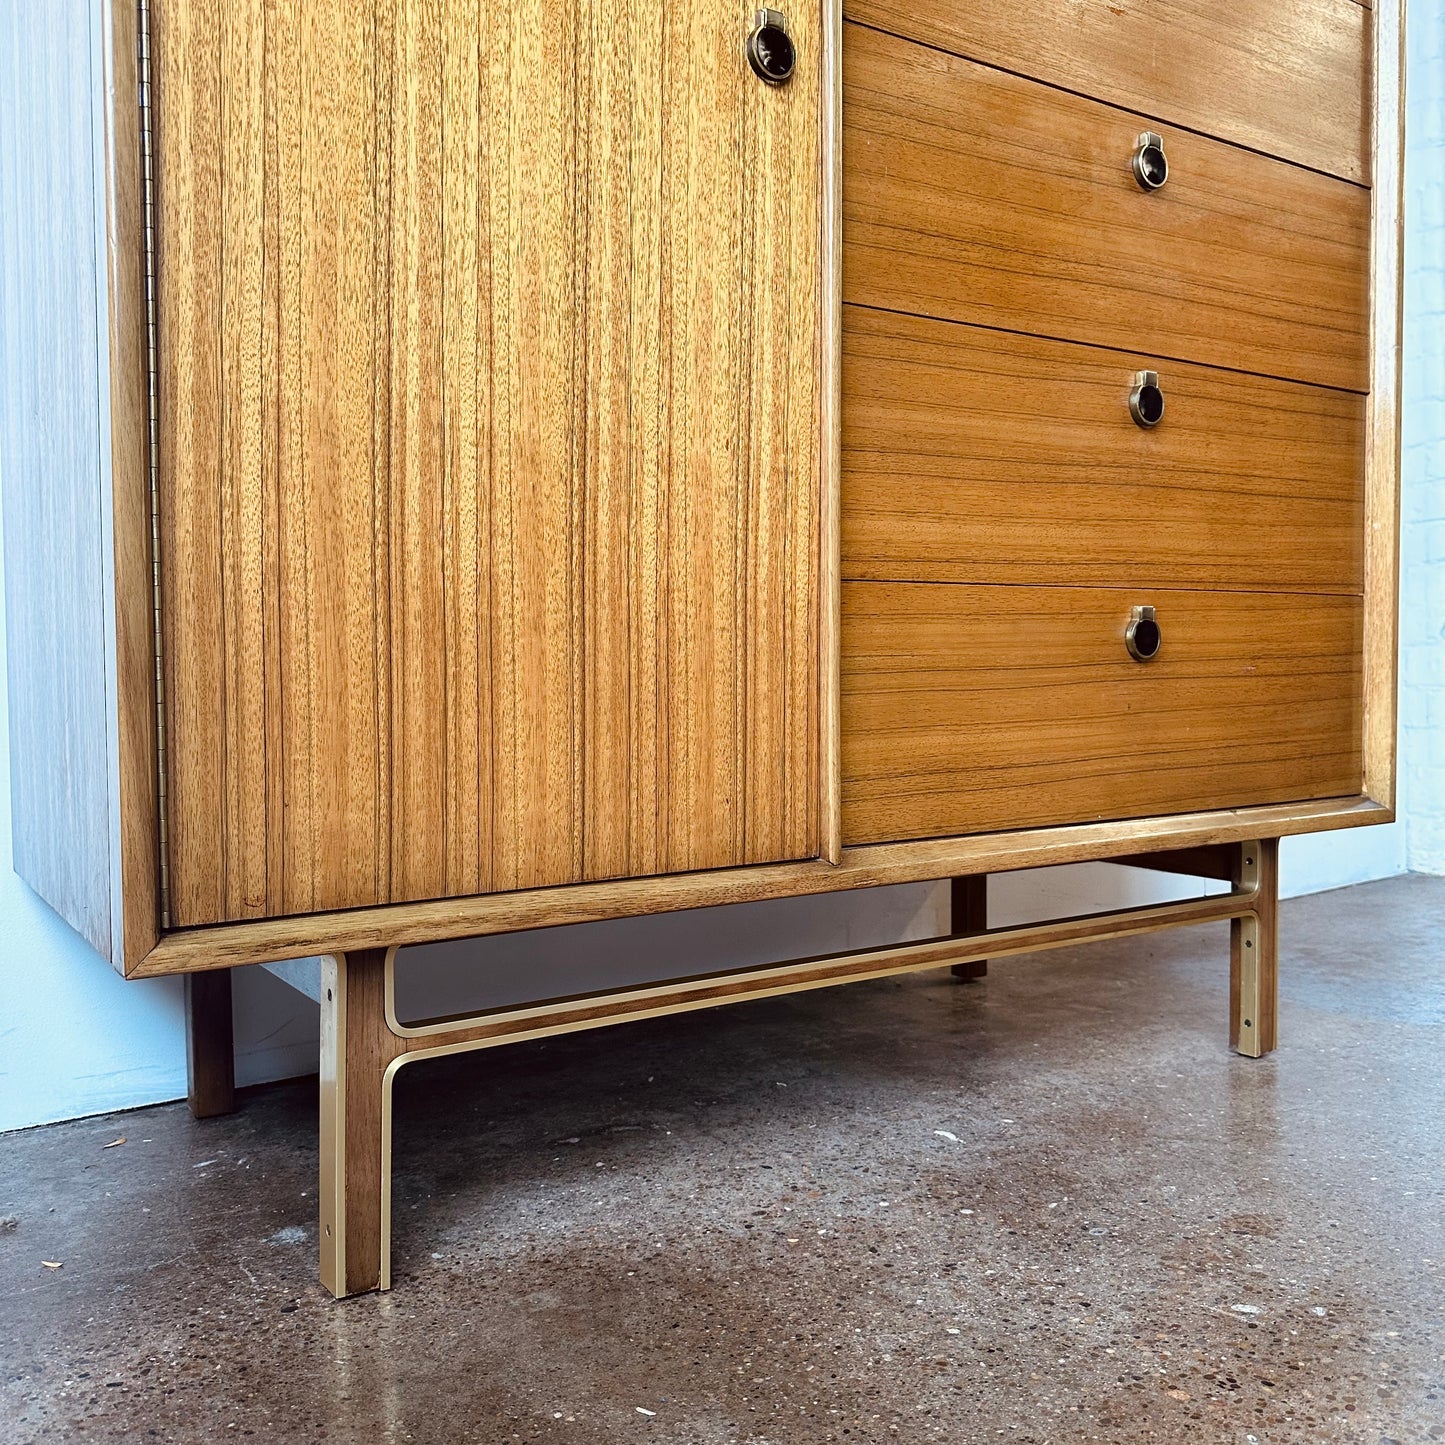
x=1142 y=637
x=1151 y=165
x=1146 y=401
x=771 y=52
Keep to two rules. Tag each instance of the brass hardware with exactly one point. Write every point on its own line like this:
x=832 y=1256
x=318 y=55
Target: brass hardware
x=1151 y=165
x=1247 y=935
x=1146 y=401
x=1249 y=999
x=771 y=52
x=1142 y=637
x=148 y=250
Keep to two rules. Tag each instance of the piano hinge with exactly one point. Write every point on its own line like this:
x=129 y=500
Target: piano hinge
x=148 y=198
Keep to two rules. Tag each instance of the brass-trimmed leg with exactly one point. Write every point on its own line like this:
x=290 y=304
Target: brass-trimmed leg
x=210 y=1044
x=969 y=914
x=1254 y=954
x=357 y=1049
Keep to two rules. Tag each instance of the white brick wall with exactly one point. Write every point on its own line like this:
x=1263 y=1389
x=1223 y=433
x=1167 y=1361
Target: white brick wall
x=1422 y=589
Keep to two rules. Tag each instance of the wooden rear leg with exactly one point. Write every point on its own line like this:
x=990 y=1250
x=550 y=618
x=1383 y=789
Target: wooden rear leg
x=969 y=906
x=210 y=1044
x=1254 y=954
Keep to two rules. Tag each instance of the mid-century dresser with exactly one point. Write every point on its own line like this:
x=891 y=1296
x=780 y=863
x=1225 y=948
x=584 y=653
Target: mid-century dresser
x=473 y=467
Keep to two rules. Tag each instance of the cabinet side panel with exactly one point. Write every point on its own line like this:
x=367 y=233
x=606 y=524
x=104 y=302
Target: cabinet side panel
x=53 y=461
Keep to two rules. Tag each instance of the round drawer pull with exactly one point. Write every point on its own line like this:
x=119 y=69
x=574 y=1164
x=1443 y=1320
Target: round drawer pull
x=770 y=48
x=1146 y=401
x=1151 y=165
x=1142 y=637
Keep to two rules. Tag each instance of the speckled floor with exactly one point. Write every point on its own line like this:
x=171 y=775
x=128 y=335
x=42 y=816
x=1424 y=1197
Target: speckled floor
x=1051 y=1207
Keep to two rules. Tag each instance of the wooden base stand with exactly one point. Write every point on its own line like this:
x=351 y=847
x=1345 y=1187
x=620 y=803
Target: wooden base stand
x=363 y=1044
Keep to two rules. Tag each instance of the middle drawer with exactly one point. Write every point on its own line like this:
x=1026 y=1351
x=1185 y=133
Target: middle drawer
x=972 y=195
x=972 y=455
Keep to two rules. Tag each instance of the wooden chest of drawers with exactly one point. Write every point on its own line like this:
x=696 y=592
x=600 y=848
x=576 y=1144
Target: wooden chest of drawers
x=532 y=464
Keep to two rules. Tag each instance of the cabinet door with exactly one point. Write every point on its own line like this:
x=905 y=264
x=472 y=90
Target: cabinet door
x=489 y=353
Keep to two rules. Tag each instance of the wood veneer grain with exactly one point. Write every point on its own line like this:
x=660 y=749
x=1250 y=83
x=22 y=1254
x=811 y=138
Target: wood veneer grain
x=973 y=455
x=490 y=357
x=974 y=195
x=1286 y=77
x=975 y=709
x=274 y=939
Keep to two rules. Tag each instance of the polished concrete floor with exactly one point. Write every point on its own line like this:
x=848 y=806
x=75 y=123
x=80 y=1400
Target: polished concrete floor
x=1051 y=1207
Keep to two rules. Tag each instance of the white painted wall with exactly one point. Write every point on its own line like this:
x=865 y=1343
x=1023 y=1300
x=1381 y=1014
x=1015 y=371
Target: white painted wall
x=75 y=1039
x=1422 y=552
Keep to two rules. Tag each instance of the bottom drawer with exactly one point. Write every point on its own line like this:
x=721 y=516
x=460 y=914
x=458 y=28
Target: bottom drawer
x=973 y=709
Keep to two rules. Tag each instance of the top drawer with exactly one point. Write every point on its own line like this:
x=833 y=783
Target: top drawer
x=973 y=195
x=1287 y=77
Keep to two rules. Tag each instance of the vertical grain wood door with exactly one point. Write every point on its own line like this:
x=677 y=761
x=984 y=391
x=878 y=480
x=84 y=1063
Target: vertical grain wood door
x=489 y=360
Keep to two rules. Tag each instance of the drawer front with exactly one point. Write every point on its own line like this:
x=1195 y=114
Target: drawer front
x=1287 y=77
x=973 y=195
x=972 y=455
x=973 y=709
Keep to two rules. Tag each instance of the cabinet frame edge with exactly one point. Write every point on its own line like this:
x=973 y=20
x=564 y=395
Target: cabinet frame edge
x=136 y=833
x=877 y=865
x=1382 y=442
x=830 y=500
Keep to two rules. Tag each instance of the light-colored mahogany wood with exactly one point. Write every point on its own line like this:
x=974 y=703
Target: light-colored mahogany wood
x=1382 y=457
x=971 y=709
x=357 y=1049
x=968 y=913
x=131 y=608
x=364 y=1045
x=1255 y=1031
x=974 y=195
x=210 y=1044
x=1285 y=77
x=490 y=365
x=272 y=940
x=442 y=1036
x=973 y=455
x=192 y=949
x=830 y=402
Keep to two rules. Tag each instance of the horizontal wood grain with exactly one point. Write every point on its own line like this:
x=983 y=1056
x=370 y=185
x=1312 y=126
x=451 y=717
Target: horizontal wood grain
x=490 y=446
x=972 y=455
x=277 y=939
x=1286 y=77
x=972 y=709
x=973 y=195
